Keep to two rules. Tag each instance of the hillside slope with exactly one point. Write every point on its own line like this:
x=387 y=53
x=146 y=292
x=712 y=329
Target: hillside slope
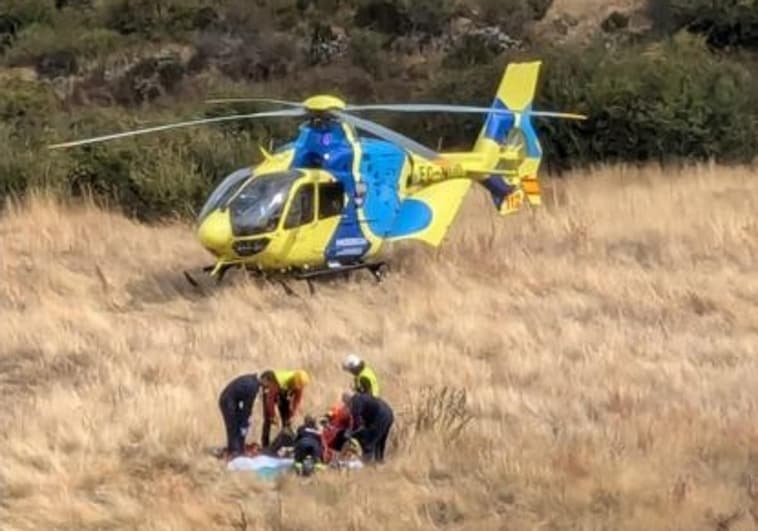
x=607 y=347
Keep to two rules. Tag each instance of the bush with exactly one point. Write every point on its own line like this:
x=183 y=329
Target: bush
x=27 y=12
x=157 y=177
x=723 y=23
x=662 y=102
x=385 y=16
x=365 y=48
x=513 y=16
x=473 y=49
x=149 y=79
x=148 y=177
x=429 y=16
x=400 y=17
x=58 y=50
x=440 y=412
x=26 y=105
x=158 y=18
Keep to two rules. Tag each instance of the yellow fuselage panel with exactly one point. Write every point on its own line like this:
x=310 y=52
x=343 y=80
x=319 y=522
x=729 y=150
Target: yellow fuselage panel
x=215 y=233
x=310 y=242
x=279 y=162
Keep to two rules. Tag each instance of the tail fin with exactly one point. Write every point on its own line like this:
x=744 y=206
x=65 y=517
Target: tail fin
x=509 y=142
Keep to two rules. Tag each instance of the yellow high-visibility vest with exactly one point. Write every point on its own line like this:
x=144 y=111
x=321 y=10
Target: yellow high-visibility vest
x=369 y=374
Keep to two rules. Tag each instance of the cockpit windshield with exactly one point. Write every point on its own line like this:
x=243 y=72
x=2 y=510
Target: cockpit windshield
x=258 y=206
x=224 y=191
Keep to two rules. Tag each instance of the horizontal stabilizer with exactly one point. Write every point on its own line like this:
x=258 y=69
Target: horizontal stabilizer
x=434 y=210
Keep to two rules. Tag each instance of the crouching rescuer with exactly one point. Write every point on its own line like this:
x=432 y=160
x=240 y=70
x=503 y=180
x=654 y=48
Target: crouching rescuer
x=372 y=419
x=236 y=404
x=283 y=390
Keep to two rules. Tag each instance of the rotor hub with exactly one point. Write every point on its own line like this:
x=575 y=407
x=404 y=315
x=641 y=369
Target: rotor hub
x=324 y=103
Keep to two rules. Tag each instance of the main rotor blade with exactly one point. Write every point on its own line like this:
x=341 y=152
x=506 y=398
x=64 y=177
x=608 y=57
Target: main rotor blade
x=550 y=114
x=272 y=114
x=463 y=109
x=266 y=100
x=426 y=107
x=388 y=134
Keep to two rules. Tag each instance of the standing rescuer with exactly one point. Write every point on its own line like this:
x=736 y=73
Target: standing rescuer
x=283 y=391
x=364 y=377
x=236 y=404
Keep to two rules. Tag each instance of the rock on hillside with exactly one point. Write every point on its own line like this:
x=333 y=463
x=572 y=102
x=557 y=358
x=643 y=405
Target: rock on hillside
x=579 y=21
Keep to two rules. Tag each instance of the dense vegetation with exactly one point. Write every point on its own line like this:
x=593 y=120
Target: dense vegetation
x=685 y=88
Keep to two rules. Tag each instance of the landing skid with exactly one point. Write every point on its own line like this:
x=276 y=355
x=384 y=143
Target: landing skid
x=208 y=269
x=377 y=269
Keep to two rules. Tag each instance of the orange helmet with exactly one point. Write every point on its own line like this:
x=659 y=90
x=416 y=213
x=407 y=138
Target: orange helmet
x=301 y=378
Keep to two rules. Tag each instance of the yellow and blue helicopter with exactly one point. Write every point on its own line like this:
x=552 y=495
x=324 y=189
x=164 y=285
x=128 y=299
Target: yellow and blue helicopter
x=328 y=201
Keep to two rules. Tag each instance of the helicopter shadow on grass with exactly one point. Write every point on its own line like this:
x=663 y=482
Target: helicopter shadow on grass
x=166 y=286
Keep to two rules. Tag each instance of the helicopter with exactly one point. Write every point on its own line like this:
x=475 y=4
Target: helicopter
x=329 y=200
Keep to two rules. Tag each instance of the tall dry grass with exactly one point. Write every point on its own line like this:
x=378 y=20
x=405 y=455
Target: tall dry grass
x=606 y=345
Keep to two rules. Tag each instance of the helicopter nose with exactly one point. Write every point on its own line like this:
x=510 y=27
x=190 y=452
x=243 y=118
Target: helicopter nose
x=215 y=232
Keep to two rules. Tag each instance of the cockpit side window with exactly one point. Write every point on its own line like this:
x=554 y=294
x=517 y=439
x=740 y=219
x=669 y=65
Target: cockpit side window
x=302 y=208
x=331 y=200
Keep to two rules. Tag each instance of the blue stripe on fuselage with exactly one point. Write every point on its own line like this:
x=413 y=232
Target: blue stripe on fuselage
x=387 y=215
x=328 y=148
x=380 y=168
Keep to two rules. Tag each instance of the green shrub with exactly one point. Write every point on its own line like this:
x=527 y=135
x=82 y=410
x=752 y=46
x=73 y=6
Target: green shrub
x=512 y=16
x=429 y=16
x=399 y=17
x=365 y=51
x=149 y=79
x=148 y=177
x=385 y=16
x=662 y=102
x=60 y=48
x=158 y=18
x=473 y=49
x=28 y=11
x=724 y=23
x=26 y=105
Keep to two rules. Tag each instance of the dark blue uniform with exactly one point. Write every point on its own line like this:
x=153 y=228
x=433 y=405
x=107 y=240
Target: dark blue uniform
x=308 y=443
x=236 y=404
x=372 y=421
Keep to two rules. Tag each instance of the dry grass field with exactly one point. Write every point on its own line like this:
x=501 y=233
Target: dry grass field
x=607 y=345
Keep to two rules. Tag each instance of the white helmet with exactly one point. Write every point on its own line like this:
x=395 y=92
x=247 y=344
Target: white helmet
x=351 y=361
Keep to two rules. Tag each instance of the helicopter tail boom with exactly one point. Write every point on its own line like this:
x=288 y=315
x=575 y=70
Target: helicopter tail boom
x=508 y=142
